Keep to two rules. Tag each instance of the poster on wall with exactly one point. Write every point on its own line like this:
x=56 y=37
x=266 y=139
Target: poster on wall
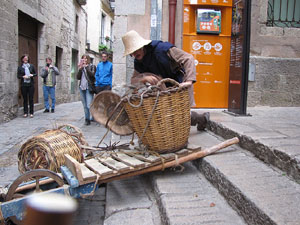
x=239 y=57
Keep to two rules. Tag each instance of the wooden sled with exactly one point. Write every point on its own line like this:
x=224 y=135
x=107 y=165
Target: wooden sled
x=84 y=178
x=128 y=163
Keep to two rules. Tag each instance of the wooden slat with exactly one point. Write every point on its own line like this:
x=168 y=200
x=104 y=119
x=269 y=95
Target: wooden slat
x=113 y=164
x=182 y=152
x=86 y=173
x=193 y=147
x=97 y=167
x=138 y=155
x=130 y=161
x=151 y=158
x=168 y=156
x=74 y=166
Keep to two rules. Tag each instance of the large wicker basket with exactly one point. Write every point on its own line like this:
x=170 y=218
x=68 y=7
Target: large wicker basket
x=46 y=151
x=168 y=129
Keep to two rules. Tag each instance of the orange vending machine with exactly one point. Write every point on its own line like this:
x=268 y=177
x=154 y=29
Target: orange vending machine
x=207 y=36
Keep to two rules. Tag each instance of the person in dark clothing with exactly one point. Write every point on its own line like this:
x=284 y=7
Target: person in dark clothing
x=26 y=73
x=155 y=60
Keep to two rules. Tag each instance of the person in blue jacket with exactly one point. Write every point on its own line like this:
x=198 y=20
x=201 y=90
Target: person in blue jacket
x=103 y=74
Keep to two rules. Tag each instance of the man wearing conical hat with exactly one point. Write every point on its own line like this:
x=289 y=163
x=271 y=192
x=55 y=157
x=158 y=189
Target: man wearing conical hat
x=155 y=60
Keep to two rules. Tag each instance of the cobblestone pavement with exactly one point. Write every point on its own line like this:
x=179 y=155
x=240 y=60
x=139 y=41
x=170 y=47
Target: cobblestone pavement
x=256 y=182
x=14 y=133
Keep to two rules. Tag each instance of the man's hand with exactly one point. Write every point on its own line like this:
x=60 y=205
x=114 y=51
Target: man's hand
x=186 y=84
x=149 y=79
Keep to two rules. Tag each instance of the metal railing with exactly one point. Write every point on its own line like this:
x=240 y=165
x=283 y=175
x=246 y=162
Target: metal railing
x=283 y=13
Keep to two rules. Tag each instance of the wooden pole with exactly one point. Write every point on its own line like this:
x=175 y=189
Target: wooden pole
x=180 y=160
x=172 y=16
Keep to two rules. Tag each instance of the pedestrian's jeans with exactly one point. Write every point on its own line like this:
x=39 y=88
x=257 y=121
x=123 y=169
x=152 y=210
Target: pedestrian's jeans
x=49 y=90
x=86 y=99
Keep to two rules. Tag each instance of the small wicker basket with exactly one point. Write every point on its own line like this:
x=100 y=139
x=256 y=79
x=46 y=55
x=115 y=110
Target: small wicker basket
x=169 y=128
x=46 y=151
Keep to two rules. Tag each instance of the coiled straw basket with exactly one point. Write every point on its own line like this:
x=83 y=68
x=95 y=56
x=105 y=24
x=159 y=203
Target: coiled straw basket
x=161 y=119
x=46 y=151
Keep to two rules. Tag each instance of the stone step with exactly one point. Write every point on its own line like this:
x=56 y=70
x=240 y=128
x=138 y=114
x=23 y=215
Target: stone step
x=277 y=148
x=167 y=197
x=131 y=201
x=188 y=198
x=260 y=193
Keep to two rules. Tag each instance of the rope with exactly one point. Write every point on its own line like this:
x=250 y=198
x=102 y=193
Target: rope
x=159 y=156
x=181 y=167
x=149 y=89
x=176 y=160
x=149 y=119
x=103 y=137
x=163 y=163
x=93 y=191
x=108 y=129
x=132 y=138
x=113 y=112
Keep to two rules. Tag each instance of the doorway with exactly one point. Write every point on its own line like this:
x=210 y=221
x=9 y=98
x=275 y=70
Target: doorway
x=74 y=70
x=28 y=36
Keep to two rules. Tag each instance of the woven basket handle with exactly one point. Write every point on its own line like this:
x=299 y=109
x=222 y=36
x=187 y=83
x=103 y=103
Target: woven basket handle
x=168 y=80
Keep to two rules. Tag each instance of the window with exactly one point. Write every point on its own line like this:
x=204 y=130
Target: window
x=76 y=24
x=58 y=58
x=111 y=34
x=102 y=37
x=283 y=13
x=74 y=70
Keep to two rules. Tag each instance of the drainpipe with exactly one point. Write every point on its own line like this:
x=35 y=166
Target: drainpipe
x=172 y=14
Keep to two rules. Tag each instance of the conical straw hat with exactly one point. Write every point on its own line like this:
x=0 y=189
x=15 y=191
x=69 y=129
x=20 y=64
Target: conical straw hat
x=133 y=41
x=103 y=108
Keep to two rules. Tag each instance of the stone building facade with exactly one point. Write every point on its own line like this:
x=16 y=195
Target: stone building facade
x=100 y=17
x=40 y=28
x=274 y=51
x=275 y=56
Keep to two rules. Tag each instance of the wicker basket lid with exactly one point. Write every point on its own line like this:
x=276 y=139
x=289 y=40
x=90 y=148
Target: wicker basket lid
x=105 y=107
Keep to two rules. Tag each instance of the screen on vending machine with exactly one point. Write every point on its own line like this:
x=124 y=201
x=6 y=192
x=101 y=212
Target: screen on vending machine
x=208 y=21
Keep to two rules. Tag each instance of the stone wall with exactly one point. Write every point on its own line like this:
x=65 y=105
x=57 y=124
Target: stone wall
x=8 y=59
x=275 y=52
x=129 y=14
x=281 y=42
x=56 y=29
x=277 y=82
